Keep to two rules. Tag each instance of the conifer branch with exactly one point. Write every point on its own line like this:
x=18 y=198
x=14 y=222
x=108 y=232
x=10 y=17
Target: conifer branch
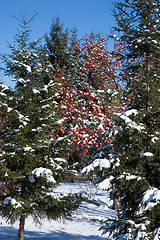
x=25 y=22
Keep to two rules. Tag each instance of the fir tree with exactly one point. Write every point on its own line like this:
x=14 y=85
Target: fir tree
x=137 y=143
x=73 y=76
x=57 y=44
x=63 y=52
x=28 y=169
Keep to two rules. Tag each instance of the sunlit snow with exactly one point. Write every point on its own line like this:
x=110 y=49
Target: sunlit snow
x=84 y=225
x=12 y=201
x=146 y=154
x=42 y=172
x=101 y=163
x=151 y=198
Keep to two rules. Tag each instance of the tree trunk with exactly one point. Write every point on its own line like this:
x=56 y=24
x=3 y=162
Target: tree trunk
x=21 y=228
x=116 y=205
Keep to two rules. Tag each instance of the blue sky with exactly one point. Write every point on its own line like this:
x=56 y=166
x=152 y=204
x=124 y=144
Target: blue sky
x=86 y=15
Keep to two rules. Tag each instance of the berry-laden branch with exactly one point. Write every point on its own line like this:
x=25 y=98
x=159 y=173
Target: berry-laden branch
x=86 y=116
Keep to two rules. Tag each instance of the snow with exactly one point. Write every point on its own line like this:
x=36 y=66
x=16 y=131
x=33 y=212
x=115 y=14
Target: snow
x=151 y=198
x=12 y=201
x=102 y=91
x=105 y=184
x=130 y=112
x=146 y=154
x=140 y=235
x=22 y=118
x=129 y=122
x=59 y=139
x=157 y=232
x=129 y=176
x=38 y=129
x=4 y=87
x=84 y=225
x=42 y=172
x=60 y=160
x=2 y=94
x=9 y=109
x=154 y=41
x=28 y=68
x=23 y=81
x=154 y=139
x=46 y=88
x=100 y=162
x=36 y=91
x=46 y=106
x=61 y=121
x=109 y=90
x=27 y=148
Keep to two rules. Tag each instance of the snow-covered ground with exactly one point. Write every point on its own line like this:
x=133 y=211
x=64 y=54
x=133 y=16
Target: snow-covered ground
x=85 y=222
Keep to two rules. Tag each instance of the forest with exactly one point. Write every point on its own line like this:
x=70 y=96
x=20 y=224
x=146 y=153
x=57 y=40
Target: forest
x=82 y=111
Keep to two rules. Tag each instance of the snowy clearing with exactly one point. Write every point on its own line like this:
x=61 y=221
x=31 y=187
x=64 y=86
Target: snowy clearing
x=84 y=225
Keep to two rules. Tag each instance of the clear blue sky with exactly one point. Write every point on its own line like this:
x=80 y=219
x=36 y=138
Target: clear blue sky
x=86 y=15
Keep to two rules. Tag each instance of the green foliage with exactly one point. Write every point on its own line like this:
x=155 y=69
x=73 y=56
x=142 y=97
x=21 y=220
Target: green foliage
x=28 y=169
x=137 y=142
x=57 y=44
x=61 y=46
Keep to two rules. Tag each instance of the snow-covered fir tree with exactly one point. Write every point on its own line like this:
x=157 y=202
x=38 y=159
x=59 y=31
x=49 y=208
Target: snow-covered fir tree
x=135 y=150
x=28 y=170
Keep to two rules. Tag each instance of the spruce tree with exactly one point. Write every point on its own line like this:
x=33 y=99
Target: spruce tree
x=73 y=75
x=28 y=169
x=137 y=143
x=61 y=45
x=57 y=44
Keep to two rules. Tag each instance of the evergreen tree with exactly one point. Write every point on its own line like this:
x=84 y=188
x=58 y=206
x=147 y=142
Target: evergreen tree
x=57 y=45
x=73 y=76
x=137 y=144
x=28 y=170
x=63 y=52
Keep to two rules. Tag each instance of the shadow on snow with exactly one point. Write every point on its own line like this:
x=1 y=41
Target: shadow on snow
x=9 y=233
